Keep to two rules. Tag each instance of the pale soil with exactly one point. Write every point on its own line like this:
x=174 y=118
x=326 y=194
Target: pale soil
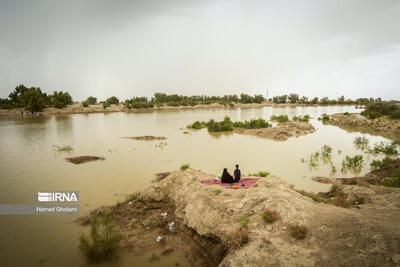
x=365 y=236
x=282 y=132
x=98 y=108
x=383 y=126
x=146 y=138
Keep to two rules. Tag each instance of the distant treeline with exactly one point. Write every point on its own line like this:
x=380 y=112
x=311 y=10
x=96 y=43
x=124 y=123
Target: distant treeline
x=33 y=99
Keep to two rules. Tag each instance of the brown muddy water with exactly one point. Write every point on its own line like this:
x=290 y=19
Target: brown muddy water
x=29 y=163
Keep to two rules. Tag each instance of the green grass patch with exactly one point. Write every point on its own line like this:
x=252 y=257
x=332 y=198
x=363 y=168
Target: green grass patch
x=280 y=118
x=185 y=166
x=244 y=222
x=260 y=174
x=305 y=118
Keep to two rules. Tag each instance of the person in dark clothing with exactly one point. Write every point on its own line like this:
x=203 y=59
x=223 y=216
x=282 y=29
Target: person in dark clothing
x=226 y=177
x=237 y=174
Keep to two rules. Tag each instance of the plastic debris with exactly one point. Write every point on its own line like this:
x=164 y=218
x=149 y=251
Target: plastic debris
x=171 y=226
x=159 y=238
x=164 y=215
x=130 y=203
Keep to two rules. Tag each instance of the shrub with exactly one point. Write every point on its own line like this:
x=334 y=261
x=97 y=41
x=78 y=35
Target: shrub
x=361 y=142
x=197 y=125
x=91 y=100
x=60 y=99
x=280 y=118
x=103 y=242
x=341 y=202
x=324 y=118
x=261 y=174
x=185 y=166
x=270 y=216
x=380 y=164
x=113 y=100
x=244 y=222
x=238 y=238
x=298 y=231
x=357 y=200
x=389 y=149
x=379 y=109
x=346 y=113
x=305 y=118
x=252 y=124
x=106 y=105
x=354 y=164
x=221 y=126
x=85 y=104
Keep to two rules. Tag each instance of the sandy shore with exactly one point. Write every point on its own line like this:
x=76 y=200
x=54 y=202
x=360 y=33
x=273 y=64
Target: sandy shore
x=282 y=132
x=77 y=108
x=207 y=224
x=383 y=126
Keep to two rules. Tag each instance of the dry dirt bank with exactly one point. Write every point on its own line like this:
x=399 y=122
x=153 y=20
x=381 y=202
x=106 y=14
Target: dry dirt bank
x=383 y=126
x=282 y=132
x=98 y=108
x=206 y=216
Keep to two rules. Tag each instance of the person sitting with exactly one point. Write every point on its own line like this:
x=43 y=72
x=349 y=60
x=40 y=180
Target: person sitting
x=226 y=177
x=237 y=174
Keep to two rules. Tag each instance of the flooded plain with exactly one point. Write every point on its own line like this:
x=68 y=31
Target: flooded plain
x=30 y=162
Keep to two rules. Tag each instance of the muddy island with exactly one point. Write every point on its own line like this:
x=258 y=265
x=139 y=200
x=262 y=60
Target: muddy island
x=269 y=223
x=384 y=126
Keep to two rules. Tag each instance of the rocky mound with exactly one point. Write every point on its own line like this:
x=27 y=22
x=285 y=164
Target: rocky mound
x=383 y=126
x=225 y=227
x=282 y=132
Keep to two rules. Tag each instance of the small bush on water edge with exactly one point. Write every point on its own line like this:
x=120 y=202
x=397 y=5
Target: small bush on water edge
x=270 y=216
x=305 y=118
x=389 y=149
x=280 y=118
x=103 y=242
x=185 y=166
x=353 y=164
x=298 y=231
x=380 y=164
x=361 y=142
x=227 y=124
x=260 y=174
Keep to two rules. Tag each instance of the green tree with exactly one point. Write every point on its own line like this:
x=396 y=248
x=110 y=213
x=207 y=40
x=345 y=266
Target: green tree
x=60 y=99
x=113 y=100
x=91 y=100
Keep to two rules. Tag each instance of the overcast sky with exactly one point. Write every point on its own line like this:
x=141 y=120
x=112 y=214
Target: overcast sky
x=132 y=48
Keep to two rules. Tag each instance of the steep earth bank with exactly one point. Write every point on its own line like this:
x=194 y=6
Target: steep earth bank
x=215 y=225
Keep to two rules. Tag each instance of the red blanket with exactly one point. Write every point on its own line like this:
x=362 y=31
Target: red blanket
x=242 y=184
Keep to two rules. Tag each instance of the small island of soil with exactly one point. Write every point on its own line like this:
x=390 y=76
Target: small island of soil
x=146 y=138
x=282 y=132
x=383 y=126
x=83 y=159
